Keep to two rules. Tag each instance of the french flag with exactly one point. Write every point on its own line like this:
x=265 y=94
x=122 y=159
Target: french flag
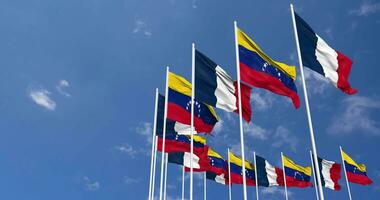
x=330 y=172
x=321 y=58
x=215 y=87
x=267 y=174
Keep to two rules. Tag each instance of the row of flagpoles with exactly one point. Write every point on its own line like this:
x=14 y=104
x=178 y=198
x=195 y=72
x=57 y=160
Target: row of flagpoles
x=341 y=81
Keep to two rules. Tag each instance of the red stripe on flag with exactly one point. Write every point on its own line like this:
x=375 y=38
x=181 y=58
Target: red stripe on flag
x=177 y=113
x=238 y=179
x=359 y=179
x=335 y=175
x=245 y=101
x=265 y=81
x=344 y=68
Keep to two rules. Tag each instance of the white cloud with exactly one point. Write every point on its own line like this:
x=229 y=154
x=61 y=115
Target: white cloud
x=275 y=190
x=41 y=97
x=62 y=84
x=142 y=28
x=91 y=185
x=284 y=137
x=316 y=83
x=366 y=8
x=262 y=100
x=130 y=180
x=145 y=129
x=218 y=128
x=127 y=149
x=356 y=115
x=256 y=131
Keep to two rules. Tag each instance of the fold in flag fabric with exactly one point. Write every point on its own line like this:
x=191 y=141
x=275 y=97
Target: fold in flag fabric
x=356 y=173
x=321 y=58
x=237 y=171
x=296 y=175
x=330 y=172
x=217 y=178
x=268 y=175
x=215 y=87
x=179 y=106
x=172 y=127
x=217 y=164
x=181 y=143
x=184 y=159
x=259 y=70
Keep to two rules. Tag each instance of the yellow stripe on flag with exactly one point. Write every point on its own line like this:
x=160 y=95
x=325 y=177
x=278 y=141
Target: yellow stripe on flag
x=181 y=85
x=350 y=161
x=290 y=164
x=213 y=153
x=237 y=161
x=199 y=139
x=249 y=44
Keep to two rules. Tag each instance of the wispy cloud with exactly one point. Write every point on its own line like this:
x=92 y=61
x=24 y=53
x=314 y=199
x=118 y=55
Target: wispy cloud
x=283 y=136
x=141 y=27
x=262 y=100
x=62 y=85
x=91 y=185
x=275 y=190
x=42 y=98
x=316 y=83
x=366 y=8
x=194 y=4
x=256 y=131
x=145 y=129
x=127 y=149
x=355 y=114
x=130 y=180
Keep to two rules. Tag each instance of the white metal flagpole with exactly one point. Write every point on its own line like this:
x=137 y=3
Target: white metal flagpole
x=283 y=169
x=240 y=113
x=229 y=176
x=204 y=186
x=192 y=117
x=166 y=174
x=164 y=133
x=153 y=145
x=256 y=178
x=313 y=145
x=313 y=169
x=345 y=173
x=183 y=182
x=154 y=166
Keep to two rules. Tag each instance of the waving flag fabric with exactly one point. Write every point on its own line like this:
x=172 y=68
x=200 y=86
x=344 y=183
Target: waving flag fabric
x=330 y=172
x=356 y=173
x=184 y=158
x=179 y=106
x=296 y=175
x=259 y=70
x=172 y=127
x=181 y=143
x=268 y=175
x=237 y=171
x=321 y=58
x=222 y=179
x=215 y=87
x=217 y=164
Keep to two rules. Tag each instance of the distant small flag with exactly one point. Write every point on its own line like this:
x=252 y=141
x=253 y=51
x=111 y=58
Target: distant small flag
x=179 y=106
x=356 y=173
x=216 y=88
x=217 y=164
x=237 y=171
x=259 y=70
x=181 y=143
x=184 y=159
x=217 y=178
x=296 y=175
x=321 y=58
x=268 y=175
x=330 y=172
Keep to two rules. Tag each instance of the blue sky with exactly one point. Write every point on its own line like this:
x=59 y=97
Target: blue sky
x=77 y=88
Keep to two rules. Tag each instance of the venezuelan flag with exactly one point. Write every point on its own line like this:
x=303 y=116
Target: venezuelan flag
x=259 y=70
x=181 y=143
x=237 y=171
x=216 y=164
x=356 y=173
x=179 y=106
x=296 y=175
